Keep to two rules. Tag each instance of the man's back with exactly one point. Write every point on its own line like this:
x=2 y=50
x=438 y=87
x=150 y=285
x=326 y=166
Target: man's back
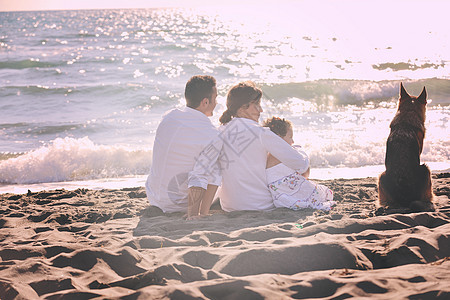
x=180 y=138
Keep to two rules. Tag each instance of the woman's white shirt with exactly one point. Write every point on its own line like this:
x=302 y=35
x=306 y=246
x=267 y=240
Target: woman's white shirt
x=243 y=163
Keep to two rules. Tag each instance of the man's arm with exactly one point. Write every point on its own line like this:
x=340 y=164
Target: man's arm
x=204 y=179
x=206 y=168
x=208 y=198
x=195 y=197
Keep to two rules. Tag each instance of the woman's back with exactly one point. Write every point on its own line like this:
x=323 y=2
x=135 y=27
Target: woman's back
x=243 y=163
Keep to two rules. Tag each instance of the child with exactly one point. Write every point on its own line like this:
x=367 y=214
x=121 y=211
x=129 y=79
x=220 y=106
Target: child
x=288 y=187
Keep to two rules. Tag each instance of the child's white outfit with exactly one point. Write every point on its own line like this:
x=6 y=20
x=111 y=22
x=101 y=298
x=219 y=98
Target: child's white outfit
x=290 y=189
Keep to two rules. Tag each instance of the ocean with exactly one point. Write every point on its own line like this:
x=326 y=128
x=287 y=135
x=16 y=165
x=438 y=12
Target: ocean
x=82 y=92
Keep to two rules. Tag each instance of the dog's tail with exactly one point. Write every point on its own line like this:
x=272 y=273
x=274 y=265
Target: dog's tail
x=403 y=181
x=417 y=206
x=424 y=192
x=404 y=190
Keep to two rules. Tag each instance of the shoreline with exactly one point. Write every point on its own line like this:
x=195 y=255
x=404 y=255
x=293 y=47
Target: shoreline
x=317 y=174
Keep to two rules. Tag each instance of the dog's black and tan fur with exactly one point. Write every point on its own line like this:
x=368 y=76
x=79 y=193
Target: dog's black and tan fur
x=406 y=183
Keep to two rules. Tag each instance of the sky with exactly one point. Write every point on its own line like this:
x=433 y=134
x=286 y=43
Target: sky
x=26 y=5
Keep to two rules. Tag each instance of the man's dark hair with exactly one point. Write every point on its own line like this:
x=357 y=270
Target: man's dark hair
x=198 y=88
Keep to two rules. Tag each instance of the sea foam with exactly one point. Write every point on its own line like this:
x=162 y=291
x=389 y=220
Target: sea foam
x=67 y=159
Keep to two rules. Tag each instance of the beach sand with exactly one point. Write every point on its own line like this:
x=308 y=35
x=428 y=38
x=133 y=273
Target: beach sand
x=110 y=244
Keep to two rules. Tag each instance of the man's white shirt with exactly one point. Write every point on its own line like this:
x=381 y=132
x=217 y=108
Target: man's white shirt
x=185 y=154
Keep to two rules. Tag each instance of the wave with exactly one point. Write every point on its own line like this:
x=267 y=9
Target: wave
x=8 y=155
x=406 y=66
x=34 y=90
x=351 y=154
x=54 y=129
x=13 y=125
x=339 y=92
x=26 y=64
x=132 y=94
x=68 y=159
x=51 y=90
x=324 y=93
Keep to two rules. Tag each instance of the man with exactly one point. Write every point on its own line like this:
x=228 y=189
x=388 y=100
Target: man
x=184 y=175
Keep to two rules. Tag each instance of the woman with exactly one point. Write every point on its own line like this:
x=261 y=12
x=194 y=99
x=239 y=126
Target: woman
x=244 y=153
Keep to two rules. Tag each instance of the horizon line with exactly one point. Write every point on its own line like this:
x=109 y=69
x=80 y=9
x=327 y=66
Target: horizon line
x=75 y=9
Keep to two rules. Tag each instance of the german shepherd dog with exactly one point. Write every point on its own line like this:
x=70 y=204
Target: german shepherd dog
x=406 y=183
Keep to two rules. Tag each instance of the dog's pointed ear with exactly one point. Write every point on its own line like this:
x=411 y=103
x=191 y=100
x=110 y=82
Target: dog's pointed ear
x=403 y=93
x=423 y=96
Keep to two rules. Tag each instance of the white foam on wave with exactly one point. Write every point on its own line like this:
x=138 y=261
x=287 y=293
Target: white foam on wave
x=69 y=159
x=355 y=137
x=352 y=138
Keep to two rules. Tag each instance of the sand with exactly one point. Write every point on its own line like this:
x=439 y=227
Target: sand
x=110 y=244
